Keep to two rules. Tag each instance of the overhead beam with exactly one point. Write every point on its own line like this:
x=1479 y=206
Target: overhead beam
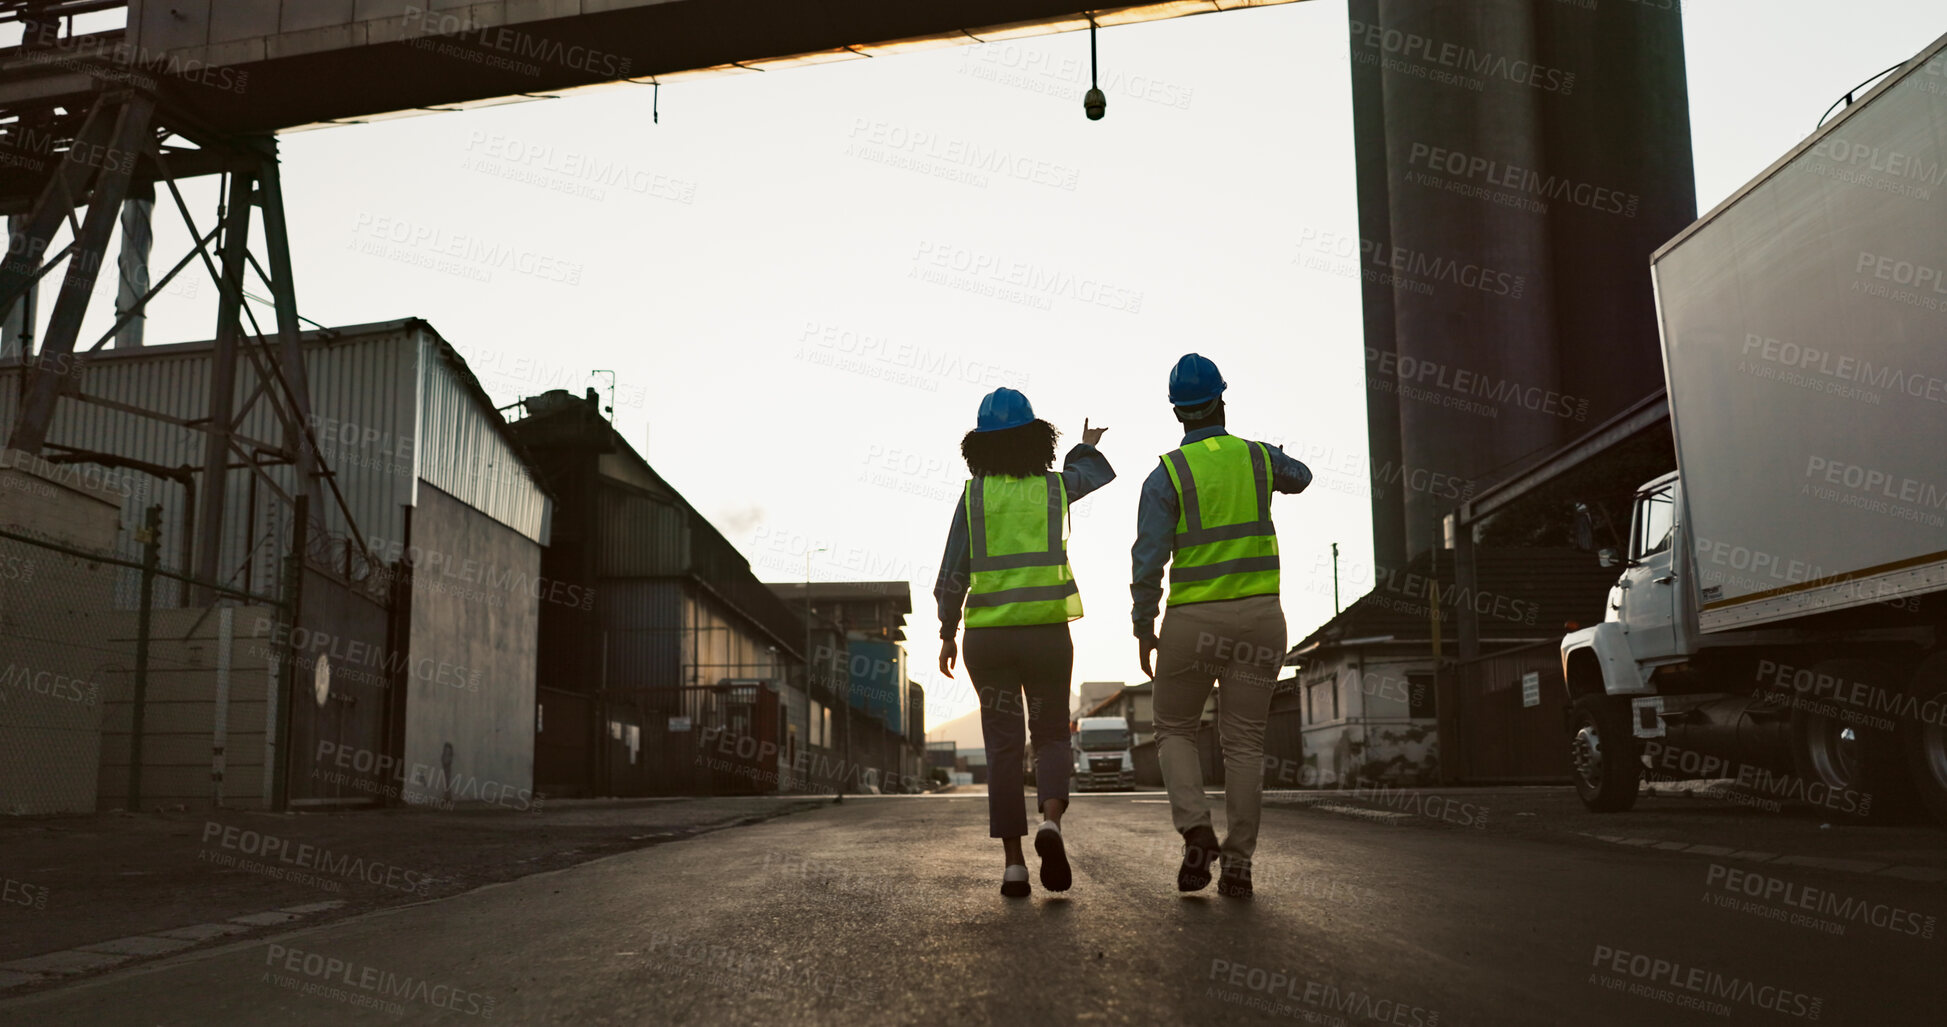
x=1642 y=416
x=434 y=57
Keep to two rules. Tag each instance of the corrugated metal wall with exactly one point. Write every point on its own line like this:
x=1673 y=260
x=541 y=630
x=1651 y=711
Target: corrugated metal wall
x=640 y=537
x=387 y=408
x=465 y=452
x=361 y=395
x=646 y=625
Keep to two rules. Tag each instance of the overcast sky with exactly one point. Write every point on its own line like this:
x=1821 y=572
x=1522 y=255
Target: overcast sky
x=800 y=277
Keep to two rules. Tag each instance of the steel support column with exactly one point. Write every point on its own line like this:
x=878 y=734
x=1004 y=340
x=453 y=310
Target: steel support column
x=290 y=352
x=129 y=139
x=223 y=385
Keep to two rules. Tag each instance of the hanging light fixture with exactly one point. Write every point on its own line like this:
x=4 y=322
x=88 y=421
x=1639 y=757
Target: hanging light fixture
x=1094 y=104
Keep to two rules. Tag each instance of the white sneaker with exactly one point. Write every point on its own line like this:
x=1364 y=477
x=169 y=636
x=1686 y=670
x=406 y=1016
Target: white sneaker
x=1055 y=875
x=1014 y=883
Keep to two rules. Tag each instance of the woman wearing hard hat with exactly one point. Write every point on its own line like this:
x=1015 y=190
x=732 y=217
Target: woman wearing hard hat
x=1006 y=560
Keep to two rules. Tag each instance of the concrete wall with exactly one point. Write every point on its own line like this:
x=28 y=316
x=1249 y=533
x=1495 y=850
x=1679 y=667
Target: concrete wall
x=182 y=712
x=477 y=643
x=52 y=654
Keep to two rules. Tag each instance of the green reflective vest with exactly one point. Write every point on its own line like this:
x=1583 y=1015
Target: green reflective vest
x=1015 y=531
x=1225 y=546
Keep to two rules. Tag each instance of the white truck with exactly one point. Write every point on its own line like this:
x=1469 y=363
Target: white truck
x=1779 y=619
x=1103 y=756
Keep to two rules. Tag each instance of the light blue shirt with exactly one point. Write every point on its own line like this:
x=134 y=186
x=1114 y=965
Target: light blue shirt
x=1156 y=526
x=1083 y=471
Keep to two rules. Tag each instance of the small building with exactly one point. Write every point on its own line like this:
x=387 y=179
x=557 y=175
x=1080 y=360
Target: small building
x=886 y=745
x=1091 y=694
x=972 y=762
x=1363 y=705
x=1134 y=704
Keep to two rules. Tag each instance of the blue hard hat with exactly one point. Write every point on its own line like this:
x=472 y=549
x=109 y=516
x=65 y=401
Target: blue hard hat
x=1195 y=381
x=1002 y=409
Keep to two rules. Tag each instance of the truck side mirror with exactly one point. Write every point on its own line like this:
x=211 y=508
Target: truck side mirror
x=1608 y=558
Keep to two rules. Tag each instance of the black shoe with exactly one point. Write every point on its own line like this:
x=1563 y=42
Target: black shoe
x=1235 y=881
x=1199 y=854
x=1055 y=875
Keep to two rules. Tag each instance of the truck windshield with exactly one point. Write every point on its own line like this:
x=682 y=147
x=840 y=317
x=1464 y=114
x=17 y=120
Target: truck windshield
x=1113 y=738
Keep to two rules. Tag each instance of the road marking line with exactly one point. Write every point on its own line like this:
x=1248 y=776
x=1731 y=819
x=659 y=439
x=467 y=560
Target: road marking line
x=1849 y=866
x=67 y=961
x=1369 y=814
x=139 y=945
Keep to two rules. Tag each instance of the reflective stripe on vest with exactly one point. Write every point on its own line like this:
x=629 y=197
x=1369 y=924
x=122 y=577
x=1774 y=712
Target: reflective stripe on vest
x=1225 y=546
x=1018 y=558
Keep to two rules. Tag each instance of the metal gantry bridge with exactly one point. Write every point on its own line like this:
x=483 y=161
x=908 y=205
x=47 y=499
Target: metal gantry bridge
x=106 y=105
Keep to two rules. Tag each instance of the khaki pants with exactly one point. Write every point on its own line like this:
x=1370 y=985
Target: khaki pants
x=1240 y=643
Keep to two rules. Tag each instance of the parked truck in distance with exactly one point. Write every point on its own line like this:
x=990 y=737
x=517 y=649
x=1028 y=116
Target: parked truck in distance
x=1104 y=759
x=1779 y=619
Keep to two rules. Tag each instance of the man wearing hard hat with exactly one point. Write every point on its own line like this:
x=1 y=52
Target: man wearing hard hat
x=1205 y=511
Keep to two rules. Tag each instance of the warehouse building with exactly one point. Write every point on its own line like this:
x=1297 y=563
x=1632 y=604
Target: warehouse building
x=666 y=666
x=887 y=747
x=414 y=638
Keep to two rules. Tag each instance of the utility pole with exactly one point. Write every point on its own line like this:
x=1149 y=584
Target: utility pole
x=809 y=675
x=1335 y=579
x=150 y=536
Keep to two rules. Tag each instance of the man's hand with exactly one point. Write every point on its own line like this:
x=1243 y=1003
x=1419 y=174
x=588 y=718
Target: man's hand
x=1145 y=649
x=948 y=653
x=1091 y=436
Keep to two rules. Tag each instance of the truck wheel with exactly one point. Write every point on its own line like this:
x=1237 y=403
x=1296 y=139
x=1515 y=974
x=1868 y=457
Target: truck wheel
x=1606 y=757
x=1856 y=765
x=1923 y=736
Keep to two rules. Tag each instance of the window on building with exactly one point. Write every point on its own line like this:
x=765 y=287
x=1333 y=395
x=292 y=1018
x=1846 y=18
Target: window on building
x=1335 y=699
x=1310 y=716
x=1419 y=695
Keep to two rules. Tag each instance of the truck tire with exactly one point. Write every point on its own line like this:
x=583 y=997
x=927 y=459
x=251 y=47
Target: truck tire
x=1923 y=736
x=1606 y=758
x=1856 y=765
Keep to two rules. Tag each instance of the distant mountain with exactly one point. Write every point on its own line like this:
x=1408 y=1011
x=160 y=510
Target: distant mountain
x=964 y=731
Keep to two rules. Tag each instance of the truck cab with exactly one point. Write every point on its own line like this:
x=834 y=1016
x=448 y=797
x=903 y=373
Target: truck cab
x=1104 y=759
x=1779 y=618
x=1652 y=692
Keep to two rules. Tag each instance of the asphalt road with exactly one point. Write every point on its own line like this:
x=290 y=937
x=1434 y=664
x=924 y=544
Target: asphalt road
x=887 y=910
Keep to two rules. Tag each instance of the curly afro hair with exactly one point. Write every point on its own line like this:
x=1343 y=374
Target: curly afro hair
x=1012 y=452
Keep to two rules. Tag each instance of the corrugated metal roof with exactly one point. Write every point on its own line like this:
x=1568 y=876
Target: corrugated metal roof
x=897 y=592
x=467 y=450
x=384 y=411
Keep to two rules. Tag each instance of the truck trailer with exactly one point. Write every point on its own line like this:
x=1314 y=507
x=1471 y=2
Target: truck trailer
x=1779 y=619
